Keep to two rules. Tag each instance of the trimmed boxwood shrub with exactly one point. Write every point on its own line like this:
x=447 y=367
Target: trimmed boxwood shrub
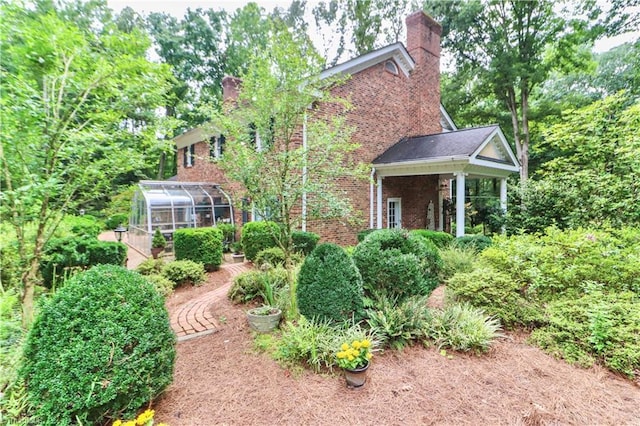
x=100 y=349
x=203 y=245
x=258 y=236
x=476 y=242
x=183 y=272
x=398 y=264
x=440 y=239
x=83 y=226
x=304 y=242
x=61 y=255
x=329 y=285
x=273 y=256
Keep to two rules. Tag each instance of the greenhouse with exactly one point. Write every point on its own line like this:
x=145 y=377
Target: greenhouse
x=171 y=205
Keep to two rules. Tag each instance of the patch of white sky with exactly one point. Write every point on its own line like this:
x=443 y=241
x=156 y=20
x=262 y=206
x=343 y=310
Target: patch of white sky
x=323 y=42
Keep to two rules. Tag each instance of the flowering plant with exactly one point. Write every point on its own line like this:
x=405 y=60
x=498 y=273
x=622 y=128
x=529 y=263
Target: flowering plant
x=144 y=419
x=354 y=355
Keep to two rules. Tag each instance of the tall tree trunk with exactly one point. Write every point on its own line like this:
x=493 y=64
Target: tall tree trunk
x=524 y=155
x=513 y=109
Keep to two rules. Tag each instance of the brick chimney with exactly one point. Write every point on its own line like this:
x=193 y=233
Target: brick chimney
x=230 y=88
x=423 y=33
x=423 y=44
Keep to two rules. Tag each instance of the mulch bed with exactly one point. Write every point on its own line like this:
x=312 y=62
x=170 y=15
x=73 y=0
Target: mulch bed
x=220 y=379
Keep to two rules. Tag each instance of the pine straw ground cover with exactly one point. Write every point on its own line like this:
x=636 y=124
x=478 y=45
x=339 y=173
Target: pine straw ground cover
x=220 y=379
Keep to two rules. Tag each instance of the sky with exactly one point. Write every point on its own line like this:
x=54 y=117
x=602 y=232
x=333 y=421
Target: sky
x=178 y=8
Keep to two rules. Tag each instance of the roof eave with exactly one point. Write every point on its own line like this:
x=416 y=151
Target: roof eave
x=395 y=51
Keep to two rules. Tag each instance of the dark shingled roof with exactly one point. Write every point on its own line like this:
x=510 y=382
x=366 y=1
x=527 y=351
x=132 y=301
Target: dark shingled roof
x=457 y=143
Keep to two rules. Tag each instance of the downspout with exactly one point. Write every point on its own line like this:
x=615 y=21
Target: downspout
x=373 y=172
x=304 y=173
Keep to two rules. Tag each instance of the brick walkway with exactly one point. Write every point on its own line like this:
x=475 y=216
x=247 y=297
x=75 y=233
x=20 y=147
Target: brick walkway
x=194 y=318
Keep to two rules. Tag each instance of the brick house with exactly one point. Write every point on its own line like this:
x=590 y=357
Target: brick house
x=405 y=135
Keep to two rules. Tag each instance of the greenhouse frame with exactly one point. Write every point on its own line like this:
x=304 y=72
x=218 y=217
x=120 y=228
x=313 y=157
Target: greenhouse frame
x=168 y=205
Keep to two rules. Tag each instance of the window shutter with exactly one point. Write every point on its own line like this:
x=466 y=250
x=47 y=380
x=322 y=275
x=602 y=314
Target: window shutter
x=192 y=154
x=185 y=152
x=221 y=142
x=212 y=147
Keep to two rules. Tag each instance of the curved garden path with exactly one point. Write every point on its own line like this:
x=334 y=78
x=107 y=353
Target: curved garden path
x=194 y=318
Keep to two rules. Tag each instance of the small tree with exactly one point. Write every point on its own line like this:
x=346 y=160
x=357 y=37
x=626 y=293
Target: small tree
x=278 y=147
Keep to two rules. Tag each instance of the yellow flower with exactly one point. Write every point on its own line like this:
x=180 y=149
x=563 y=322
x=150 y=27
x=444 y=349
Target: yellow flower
x=350 y=357
x=344 y=347
x=144 y=417
x=117 y=423
x=355 y=353
x=341 y=355
x=355 y=344
x=129 y=423
x=365 y=343
x=369 y=355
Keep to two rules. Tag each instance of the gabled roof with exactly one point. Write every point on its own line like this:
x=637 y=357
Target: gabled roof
x=479 y=150
x=395 y=51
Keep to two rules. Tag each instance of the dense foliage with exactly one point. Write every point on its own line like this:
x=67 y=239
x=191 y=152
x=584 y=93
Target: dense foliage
x=304 y=242
x=252 y=286
x=106 y=336
x=273 y=256
x=202 y=245
x=440 y=239
x=474 y=242
x=397 y=263
x=258 y=236
x=579 y=290
x=329 y=285
x=64 y=256
x=184 y=272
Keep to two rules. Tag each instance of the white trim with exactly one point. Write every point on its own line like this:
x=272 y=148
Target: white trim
x=192 y=137
x=379 y=202
x=396 y=51
x=503 y=146
x=444 y=114
x=460 y=213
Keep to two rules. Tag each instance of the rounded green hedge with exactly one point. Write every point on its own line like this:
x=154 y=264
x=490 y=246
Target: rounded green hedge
x=440 y=239
x=257 y=236
x=329 y=285
x=396 y=263
x=202 y=245
x=100 y=349
x=304 y=242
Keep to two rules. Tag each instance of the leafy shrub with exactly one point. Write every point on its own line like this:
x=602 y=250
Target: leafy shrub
x=82 y=226
x=398 y=324
x=476 y=242
x=273 y=256
x=203 y=245
x=498 y=294
x=456 y=259
x=258 y=236
x=304 y=242
x=396 y=263
x=329 y=285
x=228 y=235
x=117 y=220
x=106 y=336
x=162 y=284
x=61 y=256
x=363 y=234
x=150 y=266
x=440 y=239
x=596 y=327
x=463 y=328
x=252 y=285
x=183 y=272
x=9 y=263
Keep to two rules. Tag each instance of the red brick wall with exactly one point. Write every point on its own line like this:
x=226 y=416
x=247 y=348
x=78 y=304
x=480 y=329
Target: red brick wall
x=386 y=108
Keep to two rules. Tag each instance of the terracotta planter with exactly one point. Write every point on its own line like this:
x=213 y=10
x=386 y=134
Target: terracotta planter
x=264 y=323
x=356 y=378
x=155 y=251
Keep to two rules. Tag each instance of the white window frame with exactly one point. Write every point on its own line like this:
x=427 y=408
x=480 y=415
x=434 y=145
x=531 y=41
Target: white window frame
x=397 y=212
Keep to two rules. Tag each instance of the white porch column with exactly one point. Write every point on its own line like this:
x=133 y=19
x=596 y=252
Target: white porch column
x=371 y=209
x=503 y=194
x=379 y=202
x=460 y=179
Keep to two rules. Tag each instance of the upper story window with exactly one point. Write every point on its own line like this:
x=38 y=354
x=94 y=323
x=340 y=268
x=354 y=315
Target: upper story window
x=391 y=67
x=216 y=146
x=189 y=155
